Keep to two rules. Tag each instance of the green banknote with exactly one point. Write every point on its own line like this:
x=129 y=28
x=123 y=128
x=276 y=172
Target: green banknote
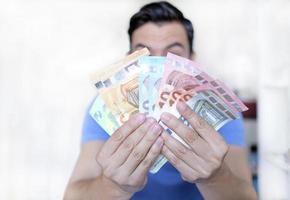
x=101 y=114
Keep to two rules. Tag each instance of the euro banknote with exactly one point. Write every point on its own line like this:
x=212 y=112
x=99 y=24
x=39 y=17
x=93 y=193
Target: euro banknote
x=154 y=85
x=183 y=80
x=204 y=104
x=148 y=82
x=112 y=74
x=118 y=92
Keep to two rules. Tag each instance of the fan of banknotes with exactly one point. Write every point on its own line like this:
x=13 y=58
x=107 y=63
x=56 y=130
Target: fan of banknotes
x=153 y=85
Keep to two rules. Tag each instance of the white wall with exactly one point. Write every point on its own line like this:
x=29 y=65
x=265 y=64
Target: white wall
x=48 y=49
x=274 y=100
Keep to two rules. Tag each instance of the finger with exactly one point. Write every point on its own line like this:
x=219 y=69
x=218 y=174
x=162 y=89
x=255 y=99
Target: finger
x=143 y=168
x=187 y=134
x=125 y=149
x=185 y=170
x=206 y=131
x=136 y=137
x=186 y=155
x=121 y=134
x=142 y=148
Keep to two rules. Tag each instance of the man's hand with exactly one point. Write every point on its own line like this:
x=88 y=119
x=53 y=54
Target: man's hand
x=127 y=156
x=206 y=150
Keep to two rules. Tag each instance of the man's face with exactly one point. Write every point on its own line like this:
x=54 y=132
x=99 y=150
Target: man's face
x=161 y=38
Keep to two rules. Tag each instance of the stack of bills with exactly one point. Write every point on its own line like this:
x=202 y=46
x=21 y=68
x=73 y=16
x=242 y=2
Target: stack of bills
x=153 y=85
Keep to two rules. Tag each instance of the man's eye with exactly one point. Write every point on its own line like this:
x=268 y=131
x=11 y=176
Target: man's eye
x=179 y=54
x=176 y=53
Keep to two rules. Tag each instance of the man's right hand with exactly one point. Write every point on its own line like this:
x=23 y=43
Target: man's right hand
x=127 y=156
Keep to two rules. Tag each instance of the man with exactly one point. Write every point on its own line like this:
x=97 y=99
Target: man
x=213 y=167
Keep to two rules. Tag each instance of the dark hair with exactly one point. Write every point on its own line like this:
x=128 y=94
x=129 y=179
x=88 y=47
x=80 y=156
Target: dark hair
x=161 y=12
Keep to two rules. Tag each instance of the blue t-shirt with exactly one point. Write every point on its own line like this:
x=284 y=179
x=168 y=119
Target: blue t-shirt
x=167 y=184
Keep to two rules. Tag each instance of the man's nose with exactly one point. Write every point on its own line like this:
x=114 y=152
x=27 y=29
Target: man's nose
x=158 y=53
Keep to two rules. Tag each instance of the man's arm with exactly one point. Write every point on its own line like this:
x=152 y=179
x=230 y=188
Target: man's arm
x=86 y=181
x=117 y=168
x=86 y=170
x=233 y=180
x=219 y=170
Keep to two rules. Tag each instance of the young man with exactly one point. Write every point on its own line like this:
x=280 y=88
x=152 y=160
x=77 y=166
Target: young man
x=215 y=165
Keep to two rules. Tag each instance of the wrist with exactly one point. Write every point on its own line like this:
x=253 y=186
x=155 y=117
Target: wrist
x=112 y=190
x=223 y=173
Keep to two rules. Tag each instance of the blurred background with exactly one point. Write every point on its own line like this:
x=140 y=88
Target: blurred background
x=49 y=48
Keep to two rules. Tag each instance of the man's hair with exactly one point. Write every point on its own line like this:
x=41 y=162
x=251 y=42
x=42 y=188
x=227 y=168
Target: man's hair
x=159 y=12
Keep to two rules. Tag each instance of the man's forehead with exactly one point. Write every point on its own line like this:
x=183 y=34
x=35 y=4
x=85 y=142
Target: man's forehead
x=161 y=38
x=154 y=32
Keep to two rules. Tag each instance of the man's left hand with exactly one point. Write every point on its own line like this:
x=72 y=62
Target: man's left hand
x=206 y=150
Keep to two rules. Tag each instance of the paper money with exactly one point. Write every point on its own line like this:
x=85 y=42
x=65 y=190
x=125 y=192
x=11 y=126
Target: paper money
x=116 y=103
x=177 y=72
x=182 y=81
x=118 y=92
x=205 y=104
x=152 y=70
x=153 y=85
x=154 y=88
x=156 y=74
x=228 y=95
x=182 y=86
x=144 y=81
x=119 y=70
x=189 y=76
x=188 y=91
x=183 y=64
x=175 y=81
x=122 y=99
x=101 y=114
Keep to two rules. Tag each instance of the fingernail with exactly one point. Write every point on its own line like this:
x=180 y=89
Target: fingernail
x=181 y=106
x=165 y=117
x=140 y=118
